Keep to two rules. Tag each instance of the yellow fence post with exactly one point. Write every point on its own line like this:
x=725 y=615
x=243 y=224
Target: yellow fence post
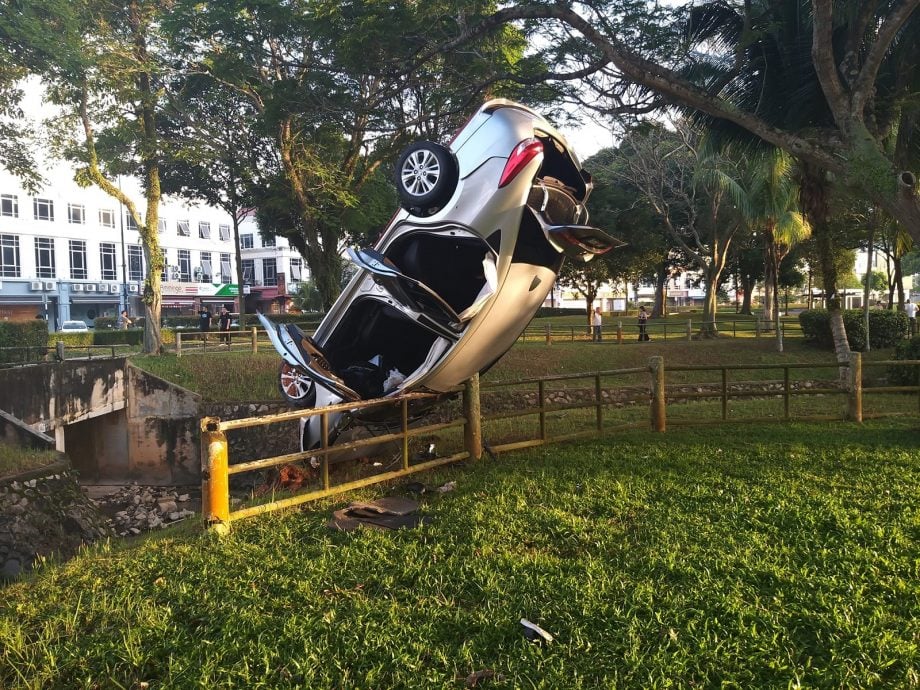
x=255 y=340
x=472 y=431
x=178 y=344
x=854 y=394
x=658 y=411
x=619 y=332
x=689 y=329
x=215 y=478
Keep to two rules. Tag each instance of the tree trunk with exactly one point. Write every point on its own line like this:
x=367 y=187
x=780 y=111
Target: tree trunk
x=814 y=198
x=661 y=279
x=747 y=285
x=899 y=281
x=867 y=288
x=240 y=279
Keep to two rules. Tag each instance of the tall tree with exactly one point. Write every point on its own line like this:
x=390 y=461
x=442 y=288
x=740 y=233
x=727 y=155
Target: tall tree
x=691 y=192
x=863 y=55
x=215 y=152
x=100 y=64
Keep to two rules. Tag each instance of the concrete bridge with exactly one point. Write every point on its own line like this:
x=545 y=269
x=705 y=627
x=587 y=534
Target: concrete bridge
x=116 y=422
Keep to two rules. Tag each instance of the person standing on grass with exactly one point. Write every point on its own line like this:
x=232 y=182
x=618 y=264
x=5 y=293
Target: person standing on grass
x=911 y=310
x=643 y=322
x=223 y=325
x=596 y=321
x=204 y=319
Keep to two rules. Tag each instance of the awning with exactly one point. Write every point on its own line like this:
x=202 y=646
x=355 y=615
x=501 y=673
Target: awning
x=177 y=303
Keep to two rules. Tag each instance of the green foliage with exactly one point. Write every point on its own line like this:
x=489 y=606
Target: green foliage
x=72 y=339
x=902 y=374
x=130 y=336
x=308 y=297
x=885 y=327
x=701 y=558
x=878 y=281
x=23 y=334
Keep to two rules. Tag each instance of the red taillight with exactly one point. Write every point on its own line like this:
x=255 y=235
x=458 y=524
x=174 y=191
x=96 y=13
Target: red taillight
x=523 y=153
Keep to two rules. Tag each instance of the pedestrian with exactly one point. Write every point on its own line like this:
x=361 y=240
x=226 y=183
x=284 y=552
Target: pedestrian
x=223 y=324
x=124 y=321
x=911 y=310
x=204 y=319
x=596 y=321
x=643 y=321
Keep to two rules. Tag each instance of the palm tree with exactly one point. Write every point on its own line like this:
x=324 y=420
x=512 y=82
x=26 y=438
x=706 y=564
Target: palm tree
x=773 y=210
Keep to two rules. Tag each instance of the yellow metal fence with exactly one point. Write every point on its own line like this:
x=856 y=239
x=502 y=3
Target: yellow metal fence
x=581 y=405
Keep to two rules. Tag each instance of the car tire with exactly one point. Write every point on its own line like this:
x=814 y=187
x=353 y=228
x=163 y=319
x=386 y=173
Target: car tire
x=296 y=387
x=426 y=177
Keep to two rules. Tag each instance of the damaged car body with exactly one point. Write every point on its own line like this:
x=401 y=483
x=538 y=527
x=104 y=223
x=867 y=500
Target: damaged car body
x=485 y=225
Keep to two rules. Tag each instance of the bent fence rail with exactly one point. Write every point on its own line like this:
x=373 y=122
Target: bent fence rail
x=559 y=409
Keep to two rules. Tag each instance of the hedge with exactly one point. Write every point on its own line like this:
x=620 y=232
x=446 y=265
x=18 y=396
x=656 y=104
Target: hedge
x=904 y=375
x=23 y=334
x=544 y=312
x=886 y=327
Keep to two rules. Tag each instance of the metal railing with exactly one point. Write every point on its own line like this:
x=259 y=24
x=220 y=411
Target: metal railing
x=538 y=399
x=665 y=329
x=216 y=471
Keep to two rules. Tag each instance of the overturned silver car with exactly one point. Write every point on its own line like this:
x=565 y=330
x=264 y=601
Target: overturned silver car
x=458 y=273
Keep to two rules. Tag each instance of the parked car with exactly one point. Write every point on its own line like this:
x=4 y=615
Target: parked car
x=73 y=327
x=460 y=270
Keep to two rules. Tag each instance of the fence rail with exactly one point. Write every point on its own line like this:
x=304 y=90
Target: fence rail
x=673 y=329
x=538 y=399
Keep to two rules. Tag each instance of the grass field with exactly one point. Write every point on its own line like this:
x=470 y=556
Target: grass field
x=783 y=556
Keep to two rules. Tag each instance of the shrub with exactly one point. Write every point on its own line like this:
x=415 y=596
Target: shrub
x=71 y=339
x=23 y=334
x=885 y=327
x=129 y=336
x=903 y=374
x=544 y=312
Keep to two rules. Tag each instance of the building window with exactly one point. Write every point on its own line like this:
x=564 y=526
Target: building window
x=161 y=224
x=296 y=272
x=182 y=229
x=106 y=217
x=269 y=272
x=135 y=262
x=246 y=241
x=9 y=256
x=205 y=267
x=107 y=260
x=185 y=266
x=268 y=241
x=204 y=230
x=43 y=209
x=76 y=214
x=167 y=269
x=9 y=205
x=44 y=257
x=225 y=268
x=249 y=269
x=78 y=259
x=224 y=232
x=129 y=221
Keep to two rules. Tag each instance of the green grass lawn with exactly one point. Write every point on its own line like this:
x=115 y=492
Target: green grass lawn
x=783 y=556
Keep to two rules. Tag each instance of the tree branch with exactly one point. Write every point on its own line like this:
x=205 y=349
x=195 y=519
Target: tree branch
x=886 y=34
x=822 y=56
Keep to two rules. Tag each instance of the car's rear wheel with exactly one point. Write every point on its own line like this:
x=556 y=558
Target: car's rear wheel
x=296 y=387
x=426 y=177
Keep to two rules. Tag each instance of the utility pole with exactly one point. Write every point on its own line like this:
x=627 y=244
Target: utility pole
x=123 y=302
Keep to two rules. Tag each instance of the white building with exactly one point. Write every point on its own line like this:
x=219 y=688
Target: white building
x=75 y=253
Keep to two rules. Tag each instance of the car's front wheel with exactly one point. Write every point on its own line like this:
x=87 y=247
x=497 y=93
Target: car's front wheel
x=296 y=387
x=426 y=177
